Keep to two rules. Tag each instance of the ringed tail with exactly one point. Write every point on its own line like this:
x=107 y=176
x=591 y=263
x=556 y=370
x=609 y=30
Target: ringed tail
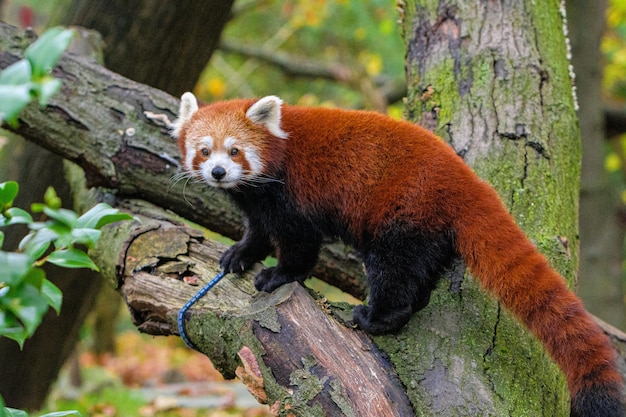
x=509 y=266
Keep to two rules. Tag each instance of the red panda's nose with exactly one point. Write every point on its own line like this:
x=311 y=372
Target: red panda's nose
x=218 y=173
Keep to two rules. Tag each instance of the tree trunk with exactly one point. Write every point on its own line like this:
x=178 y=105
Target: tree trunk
x=162 y=43
x=462 y=355
x=601 y=228
x=492 y=79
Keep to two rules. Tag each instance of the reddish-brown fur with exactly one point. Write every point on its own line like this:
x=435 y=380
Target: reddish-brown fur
x=374 y=173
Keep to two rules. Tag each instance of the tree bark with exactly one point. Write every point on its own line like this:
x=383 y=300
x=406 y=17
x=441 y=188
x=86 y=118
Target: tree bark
x=492 y=79
x=461 y=355
x=285 y=346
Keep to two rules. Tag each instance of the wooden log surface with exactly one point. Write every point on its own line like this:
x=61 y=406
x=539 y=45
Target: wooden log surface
x=291 y=349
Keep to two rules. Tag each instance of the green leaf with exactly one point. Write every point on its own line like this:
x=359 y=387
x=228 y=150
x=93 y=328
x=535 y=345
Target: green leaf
x=37 y=243
x=46 y=88
x=51 y=198
x=61 y=215
x=71 y=258
x=19 y=338
x=17 y=73
x=1 y=239
x=16 y=215
x=52 y=294
x=30 y=316
x=8 y=192
x=99 y=215
x=14 y=267
x=44 y=53
x=14 y=99
x=84 y=236
x=12 y=329
x=63 y=413
x=12 y=412
x=34 y=278
x=37 y=207
x=112 y=218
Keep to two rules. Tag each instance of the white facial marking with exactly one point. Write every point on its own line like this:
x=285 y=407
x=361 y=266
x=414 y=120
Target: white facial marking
x=207 y=141
x=189 y=157
x=254 y=159
x=221 y=159
x=229 y=142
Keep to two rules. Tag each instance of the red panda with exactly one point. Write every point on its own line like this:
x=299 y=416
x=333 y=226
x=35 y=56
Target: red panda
x=401 y=197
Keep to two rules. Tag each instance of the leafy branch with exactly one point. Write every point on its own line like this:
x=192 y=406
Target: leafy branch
x=30 y=78
x=25 y=292
x=61 y=236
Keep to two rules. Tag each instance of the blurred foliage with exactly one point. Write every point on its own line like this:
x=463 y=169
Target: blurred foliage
x=30 y=78
x=359 y=36
x=614 y=86
x=614 y=49
x=150 y=377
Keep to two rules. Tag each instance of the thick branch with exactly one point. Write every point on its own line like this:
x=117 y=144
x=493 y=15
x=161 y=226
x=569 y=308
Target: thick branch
x=98 y=121
x=295 y=355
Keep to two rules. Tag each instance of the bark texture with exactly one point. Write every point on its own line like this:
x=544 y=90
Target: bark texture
x=285 y=346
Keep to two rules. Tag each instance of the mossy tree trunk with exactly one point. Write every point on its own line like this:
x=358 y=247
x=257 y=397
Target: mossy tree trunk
x=492 y=79
x=462 y=355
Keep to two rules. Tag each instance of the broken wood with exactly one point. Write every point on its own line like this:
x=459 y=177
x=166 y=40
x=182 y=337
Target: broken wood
x=292 y=350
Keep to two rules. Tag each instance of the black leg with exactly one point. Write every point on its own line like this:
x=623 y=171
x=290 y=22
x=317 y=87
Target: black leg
x=297 y=254
x=402 y=270
x=255 y=246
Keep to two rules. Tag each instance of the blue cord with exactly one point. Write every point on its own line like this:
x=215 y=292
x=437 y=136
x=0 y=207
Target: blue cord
x=190 y=303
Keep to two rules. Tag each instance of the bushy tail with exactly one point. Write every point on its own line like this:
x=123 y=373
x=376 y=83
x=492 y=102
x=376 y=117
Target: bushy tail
x=510 y=267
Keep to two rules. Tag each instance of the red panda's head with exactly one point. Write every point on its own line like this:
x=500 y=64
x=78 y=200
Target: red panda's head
x=227 y=144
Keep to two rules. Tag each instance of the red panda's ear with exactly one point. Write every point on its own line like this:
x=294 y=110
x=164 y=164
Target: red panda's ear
x=267 y=112
x=188 y=106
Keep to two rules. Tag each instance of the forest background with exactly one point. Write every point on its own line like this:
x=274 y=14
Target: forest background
x=336 y=54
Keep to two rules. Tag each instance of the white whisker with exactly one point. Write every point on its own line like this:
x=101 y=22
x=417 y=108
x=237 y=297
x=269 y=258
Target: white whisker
x=188 y=176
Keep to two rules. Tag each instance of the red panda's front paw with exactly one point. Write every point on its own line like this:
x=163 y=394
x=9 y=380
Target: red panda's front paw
x=389 y=322
x=236 y=260
x=271 y=278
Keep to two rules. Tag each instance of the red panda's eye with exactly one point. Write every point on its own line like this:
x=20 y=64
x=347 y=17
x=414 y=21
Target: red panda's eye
x=205 y=151
x=234 y=152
